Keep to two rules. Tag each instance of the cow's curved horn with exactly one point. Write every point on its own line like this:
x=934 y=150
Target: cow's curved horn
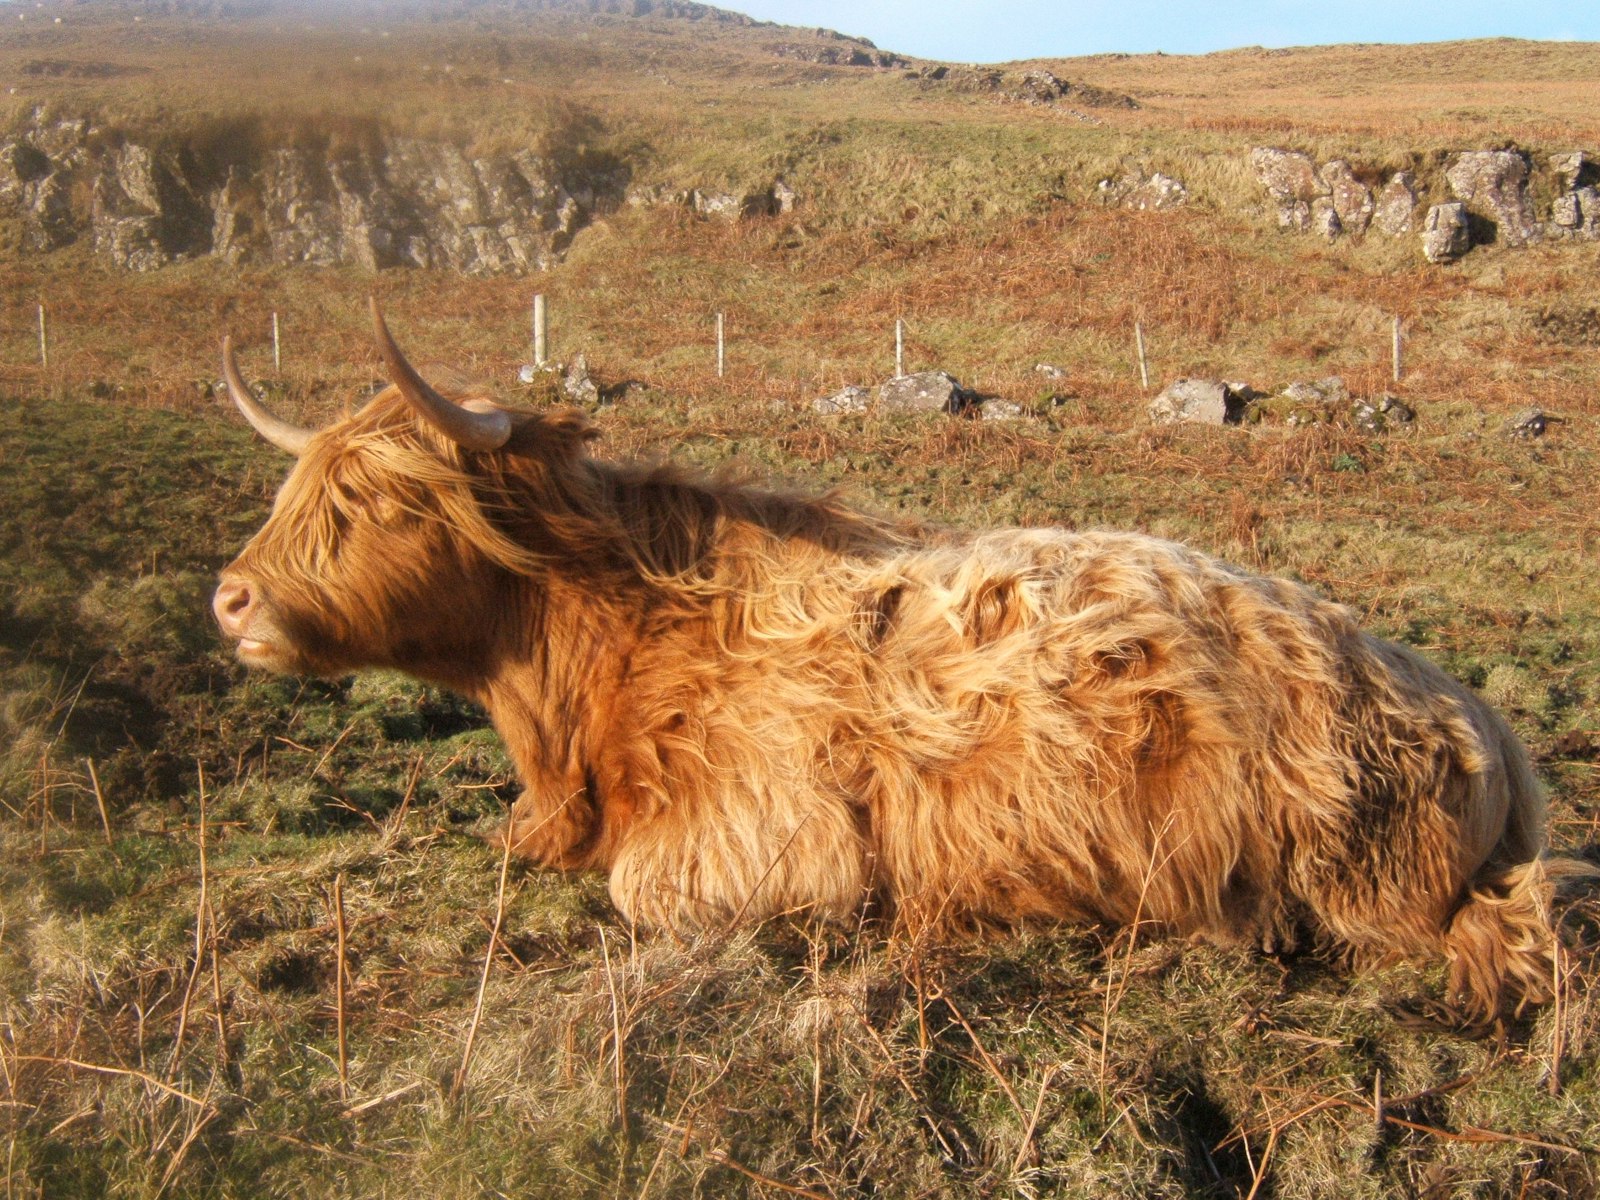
x=277 y=431
x=474 y=429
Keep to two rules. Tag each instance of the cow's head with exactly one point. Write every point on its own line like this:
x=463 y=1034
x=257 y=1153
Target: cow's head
x=398 y=536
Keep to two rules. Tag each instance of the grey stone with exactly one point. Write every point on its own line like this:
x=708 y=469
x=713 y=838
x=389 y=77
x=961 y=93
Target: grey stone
x=1576 y=168
x=1206 y=401
x=1445 y=233
x=1397 y=205
x=575 y=382
x=1154 y=192
x=1325 y=218
x=924 y=391
x=1351 y=199
x=852 y=399
x=783 y=196
x=1000 y=410
x=1494 y=183
x=1531 y=423
x=1396 y=409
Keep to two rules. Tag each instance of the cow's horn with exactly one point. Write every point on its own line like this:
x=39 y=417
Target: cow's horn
x=279 y=432
x=474 y=429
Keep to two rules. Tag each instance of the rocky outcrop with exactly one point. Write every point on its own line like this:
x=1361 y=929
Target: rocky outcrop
x=386 y=202
x=1491 y=190
x=1034 y=86
x=722 y=205
x=849 y=54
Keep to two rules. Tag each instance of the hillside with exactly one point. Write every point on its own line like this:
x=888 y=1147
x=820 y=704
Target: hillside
x=184 y=847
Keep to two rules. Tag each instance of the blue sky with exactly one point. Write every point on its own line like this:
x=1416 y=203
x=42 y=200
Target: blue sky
x=1003 y=30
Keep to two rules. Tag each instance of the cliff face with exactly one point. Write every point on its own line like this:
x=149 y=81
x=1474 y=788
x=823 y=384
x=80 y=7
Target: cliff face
x=379 y=202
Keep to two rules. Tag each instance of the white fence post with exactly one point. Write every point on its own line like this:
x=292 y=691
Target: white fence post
x=540 y=330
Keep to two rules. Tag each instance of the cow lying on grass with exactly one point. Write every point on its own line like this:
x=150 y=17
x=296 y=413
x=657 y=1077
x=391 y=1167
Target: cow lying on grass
x=741 y=702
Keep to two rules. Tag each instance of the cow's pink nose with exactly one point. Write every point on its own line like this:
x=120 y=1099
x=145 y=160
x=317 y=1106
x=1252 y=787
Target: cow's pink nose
x=232 y=605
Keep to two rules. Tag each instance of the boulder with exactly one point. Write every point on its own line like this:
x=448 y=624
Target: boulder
x=1351 y=199
x=1576 y=214
x=1446 y=235
x=1292 y=180
x=1396 y=204
x=1207 y=401
x=1494 y=184
x=1325 y=218
x=1576 y=169
x=924 y=391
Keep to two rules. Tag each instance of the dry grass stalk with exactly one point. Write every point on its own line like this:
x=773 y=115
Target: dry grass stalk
x=988 y=1061
x=618 y=1062
x=1120 y=988
x=201 y=926
x=1025 y=1150
x=483 y=980
x=1558 y=1018
x=100 y=802
x=339 y=986
x=126 y=1072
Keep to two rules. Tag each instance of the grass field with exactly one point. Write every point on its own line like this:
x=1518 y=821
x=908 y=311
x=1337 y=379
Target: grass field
x=210 y=881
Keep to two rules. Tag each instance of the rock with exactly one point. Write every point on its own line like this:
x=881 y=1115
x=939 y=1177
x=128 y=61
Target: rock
x=783 y=196
x=1351 y=199
x=1000 y=410
x=1397 y=204
x=1494 y=183
x=580 y=389
x=1292 y=180
x=1576 y=169
x=852 y=399
x=1531 y=423
x=924 y=391
x=1445 y=233
x=1396 y=409
x=1049 y=371
x=1376 y=416
x=1576 y=214
x=143 y=214
x=1207 y=401
x=1153 y=192
x=1365 y=415
x=20 y=165
x=1325 y=218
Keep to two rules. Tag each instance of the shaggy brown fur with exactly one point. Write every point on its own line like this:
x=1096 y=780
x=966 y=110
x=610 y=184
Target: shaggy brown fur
x=739 y=702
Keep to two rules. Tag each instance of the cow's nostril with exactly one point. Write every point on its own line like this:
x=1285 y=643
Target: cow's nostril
x=231 y=604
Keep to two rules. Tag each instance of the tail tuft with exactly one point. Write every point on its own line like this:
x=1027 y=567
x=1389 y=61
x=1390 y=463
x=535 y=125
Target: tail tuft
x=1501 y=941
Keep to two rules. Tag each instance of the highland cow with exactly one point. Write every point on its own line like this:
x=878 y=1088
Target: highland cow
x=741 y=702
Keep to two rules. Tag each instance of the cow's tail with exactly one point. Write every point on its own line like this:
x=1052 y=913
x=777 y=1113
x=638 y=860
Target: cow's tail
x=1502 y=941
